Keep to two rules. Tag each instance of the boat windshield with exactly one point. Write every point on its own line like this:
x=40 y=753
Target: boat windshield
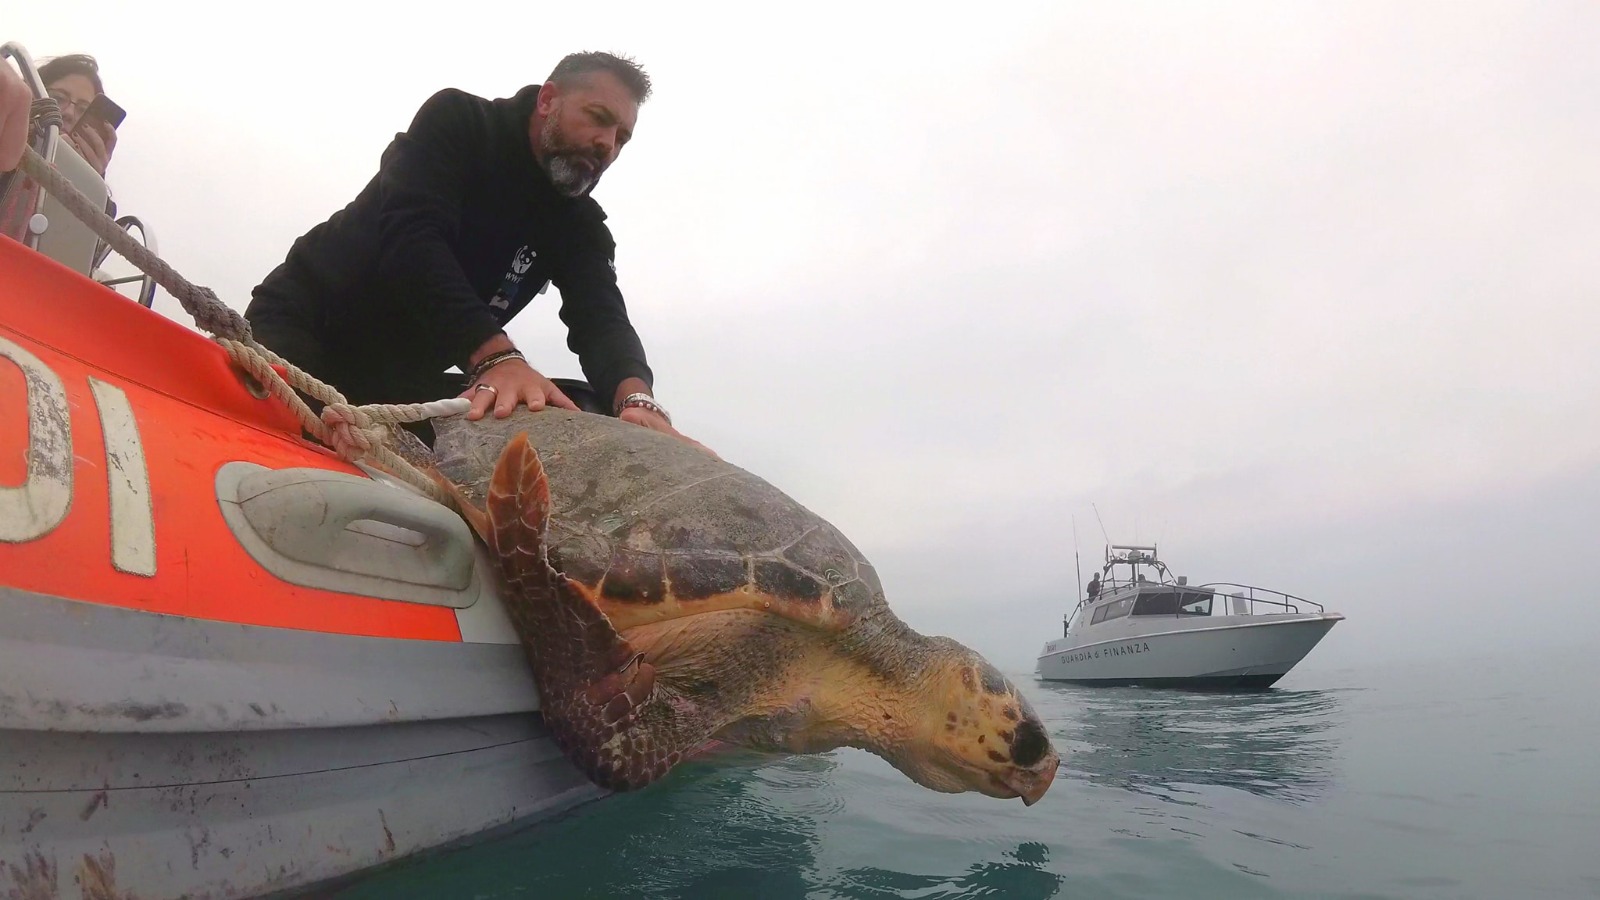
x=1173 y=603
x=1113 y=610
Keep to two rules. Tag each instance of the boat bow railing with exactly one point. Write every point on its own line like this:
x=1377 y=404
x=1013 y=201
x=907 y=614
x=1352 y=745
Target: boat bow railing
x=147 y=283
x=1253 y=595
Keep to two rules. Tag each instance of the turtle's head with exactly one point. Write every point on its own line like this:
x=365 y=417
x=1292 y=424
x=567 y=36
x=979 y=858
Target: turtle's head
x=967 y=728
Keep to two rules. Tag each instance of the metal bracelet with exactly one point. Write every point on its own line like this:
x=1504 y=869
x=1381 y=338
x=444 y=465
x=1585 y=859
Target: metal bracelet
x=644 y=401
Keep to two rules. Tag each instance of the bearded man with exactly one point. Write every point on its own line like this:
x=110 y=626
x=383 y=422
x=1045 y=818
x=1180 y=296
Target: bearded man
x=474 y=211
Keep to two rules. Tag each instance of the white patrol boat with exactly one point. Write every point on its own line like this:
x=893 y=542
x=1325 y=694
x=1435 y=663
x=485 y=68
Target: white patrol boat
x=1141 y=625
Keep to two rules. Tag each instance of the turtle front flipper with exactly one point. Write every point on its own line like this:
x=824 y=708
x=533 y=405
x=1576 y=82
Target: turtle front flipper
x=598 y=694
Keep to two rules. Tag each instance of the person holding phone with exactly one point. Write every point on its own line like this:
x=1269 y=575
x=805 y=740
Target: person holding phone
x=89 y=119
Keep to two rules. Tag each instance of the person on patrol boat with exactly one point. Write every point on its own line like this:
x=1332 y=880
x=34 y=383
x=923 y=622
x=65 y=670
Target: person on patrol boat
x=473 y=211
x=73 y=81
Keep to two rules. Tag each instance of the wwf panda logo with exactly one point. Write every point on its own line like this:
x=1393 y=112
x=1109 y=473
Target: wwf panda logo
x=523 y=260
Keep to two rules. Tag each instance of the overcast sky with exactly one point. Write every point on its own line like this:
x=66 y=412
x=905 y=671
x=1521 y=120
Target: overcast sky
x=1308 y=292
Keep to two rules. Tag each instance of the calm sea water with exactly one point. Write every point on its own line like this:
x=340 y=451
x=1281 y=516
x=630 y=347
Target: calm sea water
x=1473 y=777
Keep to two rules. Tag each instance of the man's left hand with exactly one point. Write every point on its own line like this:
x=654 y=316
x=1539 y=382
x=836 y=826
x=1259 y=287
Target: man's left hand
x=654 y=421
x=511 y=384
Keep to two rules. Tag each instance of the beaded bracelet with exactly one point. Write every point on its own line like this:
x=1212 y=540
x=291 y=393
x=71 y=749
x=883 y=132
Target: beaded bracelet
x=644 y=401
x=492 y=360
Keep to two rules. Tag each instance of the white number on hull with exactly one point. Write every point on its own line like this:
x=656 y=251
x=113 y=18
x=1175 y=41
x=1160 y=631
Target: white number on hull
x=35 y=508
x=133 y=522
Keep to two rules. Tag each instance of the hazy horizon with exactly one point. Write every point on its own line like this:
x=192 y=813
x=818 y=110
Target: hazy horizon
x=1306 y=292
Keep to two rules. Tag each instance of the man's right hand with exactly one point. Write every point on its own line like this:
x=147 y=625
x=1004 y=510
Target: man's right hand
x=510 y=384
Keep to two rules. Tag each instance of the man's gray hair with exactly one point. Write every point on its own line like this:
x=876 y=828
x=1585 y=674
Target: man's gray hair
x=631 y=74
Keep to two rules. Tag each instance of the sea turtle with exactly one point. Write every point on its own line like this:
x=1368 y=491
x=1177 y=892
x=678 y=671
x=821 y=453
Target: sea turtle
x=668 y=599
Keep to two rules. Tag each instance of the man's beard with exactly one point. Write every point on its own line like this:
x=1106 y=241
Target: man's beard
x=566 y=164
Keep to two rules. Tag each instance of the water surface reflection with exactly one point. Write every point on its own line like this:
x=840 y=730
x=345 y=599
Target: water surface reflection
x=723 y=829
x=1281 y=744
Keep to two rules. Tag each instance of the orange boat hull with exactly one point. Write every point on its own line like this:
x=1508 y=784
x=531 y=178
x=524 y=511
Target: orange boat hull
x=178 y=717
x=192 y=413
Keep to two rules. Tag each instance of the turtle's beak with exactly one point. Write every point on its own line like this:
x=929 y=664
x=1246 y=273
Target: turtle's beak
x=1030 y=784
x=1026 y=782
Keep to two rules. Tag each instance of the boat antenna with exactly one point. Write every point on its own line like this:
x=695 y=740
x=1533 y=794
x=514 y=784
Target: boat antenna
x=1102 y=523
x=1076 y=564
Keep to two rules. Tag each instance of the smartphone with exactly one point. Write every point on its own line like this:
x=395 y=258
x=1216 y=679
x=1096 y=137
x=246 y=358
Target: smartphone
x=101 y=110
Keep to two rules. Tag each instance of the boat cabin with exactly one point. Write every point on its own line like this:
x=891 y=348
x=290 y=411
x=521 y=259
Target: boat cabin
x=1134 y=581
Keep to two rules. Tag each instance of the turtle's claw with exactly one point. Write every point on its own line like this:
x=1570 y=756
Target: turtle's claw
x=623 y=691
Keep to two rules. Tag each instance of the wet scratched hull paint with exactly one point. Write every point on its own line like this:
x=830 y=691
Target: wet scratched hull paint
x=329 y=805
x=365 y=759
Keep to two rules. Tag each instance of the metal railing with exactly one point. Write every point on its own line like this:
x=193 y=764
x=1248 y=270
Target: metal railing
x=147 y=283
x=1254 y=595
x=1216 y=592
x=44 y=142
x=48 y=143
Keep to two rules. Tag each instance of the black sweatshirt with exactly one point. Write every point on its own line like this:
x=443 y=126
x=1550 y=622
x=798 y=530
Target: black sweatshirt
x=457 y=232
